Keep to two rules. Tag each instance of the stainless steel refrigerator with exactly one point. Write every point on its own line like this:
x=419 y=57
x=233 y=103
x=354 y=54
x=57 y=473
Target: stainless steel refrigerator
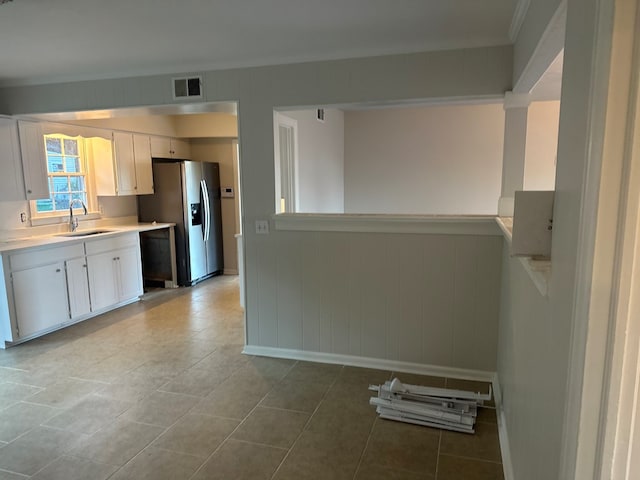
x=187 y=193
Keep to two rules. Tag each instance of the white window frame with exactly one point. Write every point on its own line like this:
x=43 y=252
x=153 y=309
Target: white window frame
x=38 y=218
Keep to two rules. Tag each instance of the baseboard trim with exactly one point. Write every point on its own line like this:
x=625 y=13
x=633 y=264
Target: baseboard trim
x=505 y=450
x=368 y=362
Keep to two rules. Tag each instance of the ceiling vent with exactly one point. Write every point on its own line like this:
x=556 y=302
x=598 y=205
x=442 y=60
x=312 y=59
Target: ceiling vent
x=187 y=87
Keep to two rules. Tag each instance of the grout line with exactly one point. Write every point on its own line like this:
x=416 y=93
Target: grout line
x=366 y=445
x=304 y=427
x=438 y=455
x=484 y=460
x=235 y=429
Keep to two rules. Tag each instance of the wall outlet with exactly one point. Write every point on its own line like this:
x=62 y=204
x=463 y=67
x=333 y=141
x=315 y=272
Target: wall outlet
x=23 y=217
x=262 y=226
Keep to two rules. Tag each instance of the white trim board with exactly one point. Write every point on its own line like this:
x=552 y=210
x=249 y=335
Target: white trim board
x=368 y=362
x=431 y=224
x=505 y=449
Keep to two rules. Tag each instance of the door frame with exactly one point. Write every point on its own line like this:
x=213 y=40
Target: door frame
x=282 y=120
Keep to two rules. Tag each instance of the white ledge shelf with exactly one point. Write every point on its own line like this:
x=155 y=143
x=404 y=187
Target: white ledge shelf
x=539 y=271
x=426 y=224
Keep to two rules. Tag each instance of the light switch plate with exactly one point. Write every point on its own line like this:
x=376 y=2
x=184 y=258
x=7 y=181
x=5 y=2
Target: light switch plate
x=262 y=226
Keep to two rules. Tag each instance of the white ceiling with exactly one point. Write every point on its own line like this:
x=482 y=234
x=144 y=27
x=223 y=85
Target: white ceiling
x=45 y=41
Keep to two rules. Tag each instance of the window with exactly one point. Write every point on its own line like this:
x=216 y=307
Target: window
x=67 y=175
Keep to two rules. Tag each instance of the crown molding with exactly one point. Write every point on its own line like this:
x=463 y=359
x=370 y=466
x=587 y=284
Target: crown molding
x=519 y=14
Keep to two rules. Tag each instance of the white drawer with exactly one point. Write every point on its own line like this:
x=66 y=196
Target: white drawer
x=35 y=258
x=111 y=243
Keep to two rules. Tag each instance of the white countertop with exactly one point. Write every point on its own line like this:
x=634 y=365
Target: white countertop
x=61 y=238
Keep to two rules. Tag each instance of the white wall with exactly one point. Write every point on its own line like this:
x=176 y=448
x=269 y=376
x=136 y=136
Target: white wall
x=221 y=151
x=320 y=161
x=274 y=271
x=426 y=299
x=10 y=214
x=530 y=353
x=150 y=124
x=424 y=160
x=542 y=146
x=206 y=125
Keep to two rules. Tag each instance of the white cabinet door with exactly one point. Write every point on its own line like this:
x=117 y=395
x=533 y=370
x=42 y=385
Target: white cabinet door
x=40 y=296
x=166 y=147
x=142 y=156
x=160 y=147
x=125 y=163
x=102 y=280
x=78 y=286
x=11 y=180
x=129 y=273
x=180 y=149
x=34 y=160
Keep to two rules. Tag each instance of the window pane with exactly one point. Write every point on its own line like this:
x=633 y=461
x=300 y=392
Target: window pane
x=70 y=146
x=79 y=196
x=44 y=205
x=54 y=164
x=60 y=184
x=77 y=184
x=54 y=145
x=73 y=164
x=61 y=201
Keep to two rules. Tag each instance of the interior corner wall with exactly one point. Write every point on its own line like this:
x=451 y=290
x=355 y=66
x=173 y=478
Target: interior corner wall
x=542 y=146
x=439 y=160
x=281 y=267
x=320 y=161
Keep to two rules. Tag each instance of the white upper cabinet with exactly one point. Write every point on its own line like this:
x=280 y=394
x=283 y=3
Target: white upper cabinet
x=142 y=160
x=34 y=160
x=11 y=180
x=180 y=149
x=122 y=167
x=124 y=163
x=166 y=147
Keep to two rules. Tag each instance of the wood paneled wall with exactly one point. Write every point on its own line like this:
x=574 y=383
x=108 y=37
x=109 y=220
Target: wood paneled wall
x=419 y=298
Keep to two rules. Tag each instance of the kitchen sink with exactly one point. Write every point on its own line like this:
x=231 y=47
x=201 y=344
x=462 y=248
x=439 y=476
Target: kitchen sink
x=84 y=233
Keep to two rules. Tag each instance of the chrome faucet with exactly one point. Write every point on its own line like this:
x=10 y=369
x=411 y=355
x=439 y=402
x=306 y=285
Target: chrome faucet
x=73 y=221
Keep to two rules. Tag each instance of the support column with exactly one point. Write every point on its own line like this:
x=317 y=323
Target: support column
x=516 y=107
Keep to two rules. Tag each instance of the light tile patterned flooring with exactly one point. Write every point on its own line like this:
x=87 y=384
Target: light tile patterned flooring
x=159 y=390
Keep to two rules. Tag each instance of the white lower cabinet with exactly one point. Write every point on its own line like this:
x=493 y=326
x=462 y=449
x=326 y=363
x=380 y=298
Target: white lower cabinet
x=40 y=298
x=49 y=288
x=78 y=287
x=102 y=280
x=115 y=275
x=129 y=273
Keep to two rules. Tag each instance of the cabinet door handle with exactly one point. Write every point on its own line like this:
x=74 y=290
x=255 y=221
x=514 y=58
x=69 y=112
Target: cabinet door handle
x=28 y=191
x=84 y=266
x=58 y=270
x=114 y=259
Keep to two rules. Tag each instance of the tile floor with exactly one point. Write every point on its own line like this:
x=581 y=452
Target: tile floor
x=159 y=390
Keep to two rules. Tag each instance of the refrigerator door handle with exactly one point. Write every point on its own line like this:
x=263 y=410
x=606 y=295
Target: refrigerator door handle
x=207 y=210
x=203 y=210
